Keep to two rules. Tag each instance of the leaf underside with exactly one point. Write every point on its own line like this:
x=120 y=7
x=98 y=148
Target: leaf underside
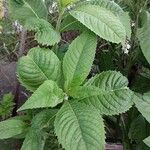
x=21 y=10
x=45 y=33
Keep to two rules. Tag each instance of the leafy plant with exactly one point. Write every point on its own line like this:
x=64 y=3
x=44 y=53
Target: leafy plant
x=1 y=10
x=66 y=101
x=6 y=106
x=8 y=41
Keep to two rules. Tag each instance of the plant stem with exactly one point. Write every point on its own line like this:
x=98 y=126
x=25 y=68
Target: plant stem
x=58 y=24
x=126 y=141
x=23 y=37
x=60 y=19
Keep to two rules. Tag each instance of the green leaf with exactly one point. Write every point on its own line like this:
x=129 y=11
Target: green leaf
x=108 y=26
x=6 y=105
x=21 y=10
x=36 y=137
x=67 y=2
x=52 y=143
x=145 y=72
x=45 y=33
x=39 y=65
x=34 y=140
x=147 y=141
x=110 y=5
x=79 y=127
x=144 y=18
x=47 y=95
x=7 y=98
x=108 y=92
x=11 y=128
x=117 y=11
x=70 y=23
x=143 y=36
x=78 y=59
x=143 y=105
x=126 y=21
x=138 y=125
x=44 y=119
x=141 y=84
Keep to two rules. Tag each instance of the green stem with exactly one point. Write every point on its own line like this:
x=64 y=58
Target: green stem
x=126 y=141
x=58 y=25
x=59 y=19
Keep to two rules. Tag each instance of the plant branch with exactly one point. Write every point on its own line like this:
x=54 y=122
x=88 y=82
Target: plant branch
x=126 y=141
x=58 y=24
x=20 y=53
x=60 y=19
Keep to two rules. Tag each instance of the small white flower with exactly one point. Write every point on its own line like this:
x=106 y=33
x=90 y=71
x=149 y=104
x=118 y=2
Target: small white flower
x=66 y=97
x=126 y=51
x=133 y=24
x=53 y=8
x=126 y=47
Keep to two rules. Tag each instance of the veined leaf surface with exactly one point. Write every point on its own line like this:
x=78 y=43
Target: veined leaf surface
x=107 y=92
x=108 y=26
x=78 y=59
x=79 y=127
x=39 y=65
x=47 y=95
x=12 y=127
x=21 y=10
x=117 y=11
x=45 y=33
x=36 y=137
x=34 y=140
